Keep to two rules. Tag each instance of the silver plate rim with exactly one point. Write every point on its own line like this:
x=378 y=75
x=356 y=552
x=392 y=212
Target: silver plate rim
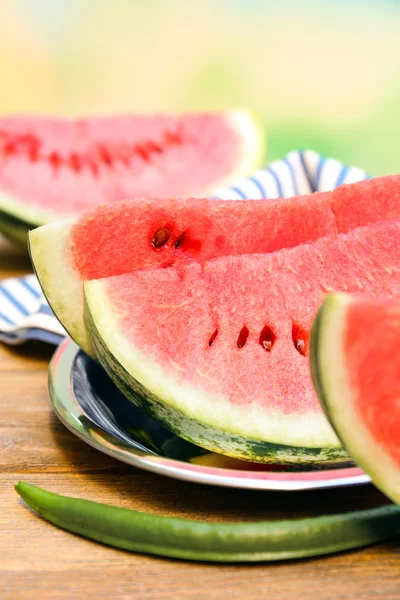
x=71 y=415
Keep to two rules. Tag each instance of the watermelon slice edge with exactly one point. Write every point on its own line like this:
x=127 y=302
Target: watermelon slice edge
x=355 y=366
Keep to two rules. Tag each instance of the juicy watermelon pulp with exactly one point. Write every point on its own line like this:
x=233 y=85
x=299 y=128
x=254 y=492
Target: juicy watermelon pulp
x=147 y=233
x=355 y=363
x=218 y=351
x=53 y=167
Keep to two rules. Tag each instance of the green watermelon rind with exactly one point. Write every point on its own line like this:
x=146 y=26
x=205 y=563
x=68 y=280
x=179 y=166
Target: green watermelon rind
x=31 y=216
x=18 y=214
x=330 y=377
x=215 y=436
x=14 y=230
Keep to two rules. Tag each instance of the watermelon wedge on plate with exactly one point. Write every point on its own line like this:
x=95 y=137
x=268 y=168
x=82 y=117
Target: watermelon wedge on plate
x=53 y=167
x=218 y=352
x=355 y=364
x=141 y=234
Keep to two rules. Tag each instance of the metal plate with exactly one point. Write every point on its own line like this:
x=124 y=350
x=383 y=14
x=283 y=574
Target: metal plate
x=88 y=403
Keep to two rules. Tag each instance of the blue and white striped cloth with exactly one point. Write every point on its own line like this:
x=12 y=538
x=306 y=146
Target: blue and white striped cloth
x=24 y=313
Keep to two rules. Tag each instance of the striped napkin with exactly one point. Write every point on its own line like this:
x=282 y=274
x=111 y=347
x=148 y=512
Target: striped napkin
x=25 y=314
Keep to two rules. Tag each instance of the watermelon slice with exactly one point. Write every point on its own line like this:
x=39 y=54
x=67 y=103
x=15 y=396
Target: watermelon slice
x=218 y=351
x=358 y=383
x=138 y=234
x=50 y=167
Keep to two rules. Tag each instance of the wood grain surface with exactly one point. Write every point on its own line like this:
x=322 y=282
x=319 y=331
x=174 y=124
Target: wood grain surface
x=37 y=560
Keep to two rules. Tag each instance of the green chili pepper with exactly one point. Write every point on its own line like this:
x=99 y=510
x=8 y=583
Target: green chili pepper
x=224 y=542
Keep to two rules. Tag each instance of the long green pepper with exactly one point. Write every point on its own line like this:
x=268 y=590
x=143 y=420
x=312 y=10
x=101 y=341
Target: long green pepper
x=224 y=542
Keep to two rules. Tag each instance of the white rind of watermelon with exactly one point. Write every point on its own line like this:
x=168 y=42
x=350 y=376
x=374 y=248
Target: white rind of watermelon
x=60 y=281
x=213 y=423
x=21 y=211
x=337 y=394
x=250 y=133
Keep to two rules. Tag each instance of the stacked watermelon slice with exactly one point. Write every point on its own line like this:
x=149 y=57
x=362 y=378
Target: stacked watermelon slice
x=200 y=310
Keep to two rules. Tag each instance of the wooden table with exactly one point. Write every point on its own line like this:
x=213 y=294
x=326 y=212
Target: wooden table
x=37 y=560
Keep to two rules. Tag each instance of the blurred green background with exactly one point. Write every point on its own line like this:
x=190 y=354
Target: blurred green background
x=321 y=74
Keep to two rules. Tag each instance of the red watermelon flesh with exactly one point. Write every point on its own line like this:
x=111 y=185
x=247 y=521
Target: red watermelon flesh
x=237 y=328
x=157 y=232
x=367 y=202
x=373 y=381
x=65 y=166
